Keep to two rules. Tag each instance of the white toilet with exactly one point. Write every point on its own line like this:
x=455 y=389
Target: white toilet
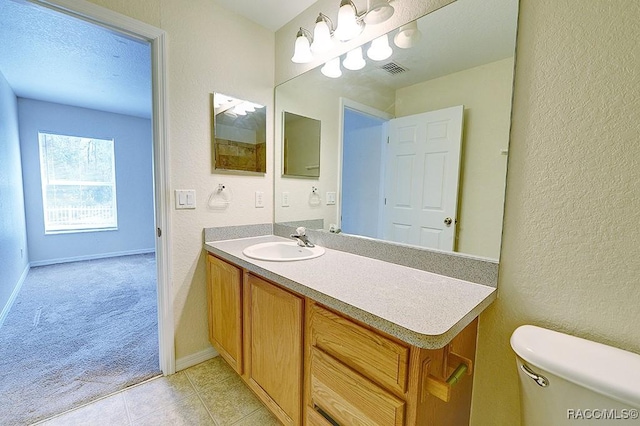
x=565 y=380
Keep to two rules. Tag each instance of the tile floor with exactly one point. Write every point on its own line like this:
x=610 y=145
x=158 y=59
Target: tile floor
x=210 y=393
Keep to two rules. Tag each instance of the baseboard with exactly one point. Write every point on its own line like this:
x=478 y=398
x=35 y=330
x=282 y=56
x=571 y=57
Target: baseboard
x=91 y=257
x=14 y=295
x=194 y=359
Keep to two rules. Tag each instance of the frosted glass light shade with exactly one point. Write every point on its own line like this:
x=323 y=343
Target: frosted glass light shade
x=379 y=49
x=239 y=110
x=348 y=25
x=321 y=37
x=332 y=68
x=302 y=49
x=378 y=12
x=408 y=36
x=354 y=60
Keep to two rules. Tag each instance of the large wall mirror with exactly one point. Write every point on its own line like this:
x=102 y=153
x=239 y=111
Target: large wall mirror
x=415 y=145
x=239 y=138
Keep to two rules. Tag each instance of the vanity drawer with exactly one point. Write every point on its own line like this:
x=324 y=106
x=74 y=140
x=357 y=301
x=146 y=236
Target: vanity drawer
x=314 y=418
x=369 y=353
x=347 y=397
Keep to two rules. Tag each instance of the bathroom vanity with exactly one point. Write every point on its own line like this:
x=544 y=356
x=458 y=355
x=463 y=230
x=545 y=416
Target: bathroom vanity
x=345 y=339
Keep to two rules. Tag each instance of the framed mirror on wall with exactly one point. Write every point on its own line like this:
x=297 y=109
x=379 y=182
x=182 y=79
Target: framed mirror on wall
x=384 y=128
x=239 y=130
x=301 y=146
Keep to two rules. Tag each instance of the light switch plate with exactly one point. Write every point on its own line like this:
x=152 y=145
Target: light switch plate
x=259 y=199
x=331 y=198
x=285 y=199
x=185 y=198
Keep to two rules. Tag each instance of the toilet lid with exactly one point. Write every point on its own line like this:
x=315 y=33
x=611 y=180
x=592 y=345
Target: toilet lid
x=604 y=369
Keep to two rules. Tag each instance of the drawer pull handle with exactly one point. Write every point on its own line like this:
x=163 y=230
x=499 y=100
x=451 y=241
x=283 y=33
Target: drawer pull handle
x=442 y=388
x=325 y=415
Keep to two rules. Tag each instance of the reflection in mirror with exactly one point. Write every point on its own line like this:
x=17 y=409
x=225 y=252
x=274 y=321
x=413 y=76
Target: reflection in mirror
x=416 y=144
x=239 y=134
x=301 y=146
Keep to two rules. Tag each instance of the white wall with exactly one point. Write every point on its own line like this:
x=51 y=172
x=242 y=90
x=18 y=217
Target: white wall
x=485 y=92
x=13 y=234
x=210 y=49
x=134 y=181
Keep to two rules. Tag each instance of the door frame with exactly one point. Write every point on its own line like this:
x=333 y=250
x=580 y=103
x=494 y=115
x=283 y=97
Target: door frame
x=364 y=109
x=157 y=38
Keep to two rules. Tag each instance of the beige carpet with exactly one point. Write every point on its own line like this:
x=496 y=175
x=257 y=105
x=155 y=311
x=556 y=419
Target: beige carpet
x=76 y=332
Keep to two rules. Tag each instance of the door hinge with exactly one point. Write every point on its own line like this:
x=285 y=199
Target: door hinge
x=387 y=139
x=385 y=201
x=159 y=232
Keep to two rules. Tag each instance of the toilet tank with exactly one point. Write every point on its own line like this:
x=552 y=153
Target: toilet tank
x=566 y=380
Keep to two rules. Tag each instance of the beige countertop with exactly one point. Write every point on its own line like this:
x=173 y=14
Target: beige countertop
x=418 y=307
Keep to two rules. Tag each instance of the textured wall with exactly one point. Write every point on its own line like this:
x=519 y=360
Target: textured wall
x=485 y=92
x=134 y=181
x=570 y=248
x=13 y=233
x=210 y=50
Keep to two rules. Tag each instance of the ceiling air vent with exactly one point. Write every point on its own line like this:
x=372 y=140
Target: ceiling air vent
x=393 y=68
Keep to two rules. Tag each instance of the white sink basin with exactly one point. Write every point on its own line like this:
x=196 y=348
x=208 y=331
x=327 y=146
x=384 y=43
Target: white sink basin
x=282 y=251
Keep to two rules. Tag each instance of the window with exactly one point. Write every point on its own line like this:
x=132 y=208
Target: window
x=78 y=183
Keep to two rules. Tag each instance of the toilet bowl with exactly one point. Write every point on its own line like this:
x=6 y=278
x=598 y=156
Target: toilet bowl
x=566 y=380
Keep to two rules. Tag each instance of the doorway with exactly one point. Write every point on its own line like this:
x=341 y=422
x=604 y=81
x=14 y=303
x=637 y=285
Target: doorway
x=133 y=29
x=400 y=176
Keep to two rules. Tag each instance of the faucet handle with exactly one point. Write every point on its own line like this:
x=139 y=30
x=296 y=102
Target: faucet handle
x=301 y=230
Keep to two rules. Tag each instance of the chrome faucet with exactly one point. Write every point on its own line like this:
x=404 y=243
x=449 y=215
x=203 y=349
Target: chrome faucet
x=301 y=237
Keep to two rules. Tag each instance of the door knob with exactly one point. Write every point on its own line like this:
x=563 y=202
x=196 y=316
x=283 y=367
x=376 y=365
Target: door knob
x=448 y=221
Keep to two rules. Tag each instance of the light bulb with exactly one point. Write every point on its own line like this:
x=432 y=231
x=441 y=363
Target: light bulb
x=348 y=25
x=332 y=68
x=378 y=12
x=354 y=60
x=302 y=50
x=380 y=49
x=408 y=35
x=321 y=36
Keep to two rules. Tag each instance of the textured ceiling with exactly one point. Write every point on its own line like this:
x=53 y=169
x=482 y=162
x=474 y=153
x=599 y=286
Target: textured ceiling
x=49 y=56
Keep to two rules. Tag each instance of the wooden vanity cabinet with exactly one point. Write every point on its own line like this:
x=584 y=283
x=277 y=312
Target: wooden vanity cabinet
x=273 y=341
x=356 y=375
x=257 y=327
x=224 y=300
x=313 y=366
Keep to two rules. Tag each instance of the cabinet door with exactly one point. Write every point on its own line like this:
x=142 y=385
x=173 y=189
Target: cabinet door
x=224 y=298
x=275 y=348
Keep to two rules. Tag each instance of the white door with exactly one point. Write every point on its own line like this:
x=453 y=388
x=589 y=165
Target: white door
x=423 y=168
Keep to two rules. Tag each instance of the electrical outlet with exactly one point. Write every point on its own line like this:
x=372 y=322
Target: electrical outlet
x=259 y=199
x=331 y=198
x=285 y=199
